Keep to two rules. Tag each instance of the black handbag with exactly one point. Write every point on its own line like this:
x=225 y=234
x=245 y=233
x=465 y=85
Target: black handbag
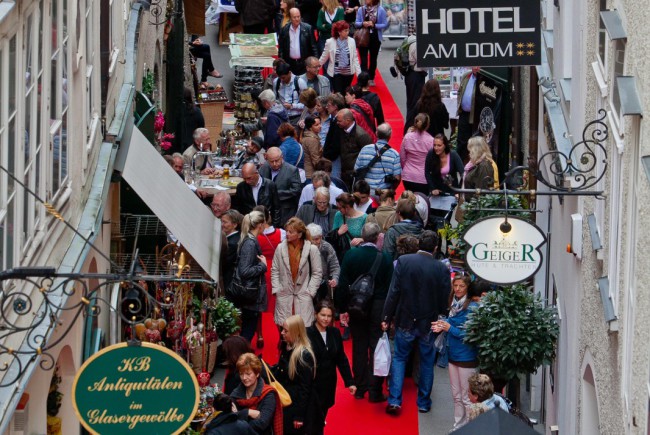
x=341 y=244
x=239 y=293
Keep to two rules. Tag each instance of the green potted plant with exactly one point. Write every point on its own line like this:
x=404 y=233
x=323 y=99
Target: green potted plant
x=513 y=331
x=225 y=318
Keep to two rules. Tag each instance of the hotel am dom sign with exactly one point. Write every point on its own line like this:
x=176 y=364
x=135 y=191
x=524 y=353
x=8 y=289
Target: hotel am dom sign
x=453 y=33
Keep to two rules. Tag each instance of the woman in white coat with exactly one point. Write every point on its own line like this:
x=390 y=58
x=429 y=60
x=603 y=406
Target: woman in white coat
x=296 y=274
x=341 y=52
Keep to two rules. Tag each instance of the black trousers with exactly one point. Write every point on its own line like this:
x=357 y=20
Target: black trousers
x=203 y=52
x=372 y=51
x=414 y=81
x=365 y=335
x=464 y=133
x=416 y=187
x=340 y=82
x=248 y=323
x=258 y=29
x=297 y=66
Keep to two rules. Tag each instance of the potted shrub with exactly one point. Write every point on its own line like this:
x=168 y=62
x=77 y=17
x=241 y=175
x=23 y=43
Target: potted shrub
x=225 y=318
x=513 y=331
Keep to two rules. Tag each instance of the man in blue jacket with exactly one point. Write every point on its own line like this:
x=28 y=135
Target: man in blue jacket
x=412 y=304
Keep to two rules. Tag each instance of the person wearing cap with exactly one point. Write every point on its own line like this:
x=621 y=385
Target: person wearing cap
x=253 y=153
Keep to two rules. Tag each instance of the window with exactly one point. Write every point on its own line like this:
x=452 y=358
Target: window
x=602 y=36
x=59 y=95
x=619 y=67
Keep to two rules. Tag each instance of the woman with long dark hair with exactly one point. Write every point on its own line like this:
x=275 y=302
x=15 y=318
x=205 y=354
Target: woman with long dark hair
x=441 y=162
x=430 y=102
x=233 y=347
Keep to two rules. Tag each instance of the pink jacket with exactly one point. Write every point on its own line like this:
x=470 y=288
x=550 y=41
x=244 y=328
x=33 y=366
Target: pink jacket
x=413 y=153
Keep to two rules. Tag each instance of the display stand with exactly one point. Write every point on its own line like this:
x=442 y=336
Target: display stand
x=213 y=115
x=228 y=23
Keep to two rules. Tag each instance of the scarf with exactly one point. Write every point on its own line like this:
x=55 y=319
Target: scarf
x=371 y=13
x=254 y=401
x=295 y=251
x=457 y=306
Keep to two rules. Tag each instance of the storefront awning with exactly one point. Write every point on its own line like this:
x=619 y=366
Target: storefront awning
x=167 y=195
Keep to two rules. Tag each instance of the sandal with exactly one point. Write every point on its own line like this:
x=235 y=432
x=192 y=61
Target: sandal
x=216 y=74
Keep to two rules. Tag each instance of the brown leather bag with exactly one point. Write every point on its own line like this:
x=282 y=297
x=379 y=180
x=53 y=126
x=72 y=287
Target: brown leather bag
x=362 y=37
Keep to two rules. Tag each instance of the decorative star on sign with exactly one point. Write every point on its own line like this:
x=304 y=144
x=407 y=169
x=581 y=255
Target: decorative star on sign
x=530 y=45
x=520 y=52
x=530 y=52
x=520 y=45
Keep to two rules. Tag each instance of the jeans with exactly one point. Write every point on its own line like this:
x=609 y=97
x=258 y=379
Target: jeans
x=403 y=346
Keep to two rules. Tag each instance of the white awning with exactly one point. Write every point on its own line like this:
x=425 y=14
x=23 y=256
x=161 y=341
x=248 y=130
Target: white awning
x=167 y=195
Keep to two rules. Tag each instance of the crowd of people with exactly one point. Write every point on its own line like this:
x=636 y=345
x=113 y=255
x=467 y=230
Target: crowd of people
x=317 y=211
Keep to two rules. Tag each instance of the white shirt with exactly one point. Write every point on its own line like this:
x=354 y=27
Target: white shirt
x=294 y=42
x=307 y=194
x=350 y=128
x=256 y=188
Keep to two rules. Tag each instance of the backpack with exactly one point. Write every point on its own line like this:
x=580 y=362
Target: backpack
x=401 y=57
x=362 y=290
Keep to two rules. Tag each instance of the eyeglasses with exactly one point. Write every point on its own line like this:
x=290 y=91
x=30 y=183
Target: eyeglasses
x=322 y=202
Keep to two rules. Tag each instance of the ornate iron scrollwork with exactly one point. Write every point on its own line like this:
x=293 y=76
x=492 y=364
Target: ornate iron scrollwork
x=30 y=307
x=582 y=161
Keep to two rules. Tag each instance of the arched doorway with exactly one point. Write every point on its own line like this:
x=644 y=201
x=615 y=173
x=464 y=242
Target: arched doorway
x=589 y=420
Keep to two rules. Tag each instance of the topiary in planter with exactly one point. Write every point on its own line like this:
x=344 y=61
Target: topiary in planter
x=513 y=331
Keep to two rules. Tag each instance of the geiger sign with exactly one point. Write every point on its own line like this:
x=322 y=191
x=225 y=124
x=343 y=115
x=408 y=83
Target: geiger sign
x=478 y=33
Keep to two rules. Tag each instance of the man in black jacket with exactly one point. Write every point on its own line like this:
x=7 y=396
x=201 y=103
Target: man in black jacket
x=412 y=304
x=287 y=181
x=256 y=190
x=256 y=15
x=305 y=46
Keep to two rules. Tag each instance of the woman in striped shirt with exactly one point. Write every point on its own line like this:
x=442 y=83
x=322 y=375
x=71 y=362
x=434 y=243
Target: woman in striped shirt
x=341 y=51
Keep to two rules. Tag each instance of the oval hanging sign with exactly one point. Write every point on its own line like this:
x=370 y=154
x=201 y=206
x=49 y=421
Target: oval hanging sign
x=504 y=254
x=144 y=388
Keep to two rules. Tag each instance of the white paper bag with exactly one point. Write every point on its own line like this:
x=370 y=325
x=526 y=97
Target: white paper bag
x=382 y=356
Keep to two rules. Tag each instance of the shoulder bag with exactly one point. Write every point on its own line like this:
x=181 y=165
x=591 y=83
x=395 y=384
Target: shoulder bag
x=340 y=243
x=241 y=294
x=361 y=173
x=362 y=35
x=285 y=398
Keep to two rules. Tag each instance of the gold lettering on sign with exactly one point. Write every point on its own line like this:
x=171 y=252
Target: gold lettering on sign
x=148 y=384
x=138 y=364
x=96 y=416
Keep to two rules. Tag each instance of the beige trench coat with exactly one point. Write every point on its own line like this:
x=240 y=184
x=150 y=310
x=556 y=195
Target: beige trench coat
x=296 y=298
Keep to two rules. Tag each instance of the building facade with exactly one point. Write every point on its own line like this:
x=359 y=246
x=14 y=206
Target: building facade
x=595 y=68
x=68 y=75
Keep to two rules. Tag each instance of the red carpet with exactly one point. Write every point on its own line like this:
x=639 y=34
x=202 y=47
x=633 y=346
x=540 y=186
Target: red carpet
x=349 y=415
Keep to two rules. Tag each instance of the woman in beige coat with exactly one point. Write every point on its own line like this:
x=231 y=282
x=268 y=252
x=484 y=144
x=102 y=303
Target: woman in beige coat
x=296 y=274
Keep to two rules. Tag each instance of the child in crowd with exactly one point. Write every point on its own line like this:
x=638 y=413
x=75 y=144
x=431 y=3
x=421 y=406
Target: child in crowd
x=481 y=394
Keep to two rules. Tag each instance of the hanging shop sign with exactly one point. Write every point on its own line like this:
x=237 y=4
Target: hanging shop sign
x=480 y=33
x=143 y=388
x=504 y=250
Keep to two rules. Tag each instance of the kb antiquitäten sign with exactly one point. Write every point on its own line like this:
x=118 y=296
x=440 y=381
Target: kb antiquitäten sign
x=478 y=33
x=144 y=389
x=504 y=258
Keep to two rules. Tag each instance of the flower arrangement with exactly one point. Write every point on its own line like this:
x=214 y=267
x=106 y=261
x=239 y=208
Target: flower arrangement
x=163 y=140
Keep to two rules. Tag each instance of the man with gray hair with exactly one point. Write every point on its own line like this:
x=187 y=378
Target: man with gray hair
x=329 y=263
x=319 y=211
x=201 y=142
x=318 y=179
x=366 y=331
x=352 y=139
x=378 y=163
x=276 y=114
x=317 y=82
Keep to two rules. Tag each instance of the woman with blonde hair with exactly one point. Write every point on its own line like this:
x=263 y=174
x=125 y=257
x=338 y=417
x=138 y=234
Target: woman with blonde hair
x=415 y=146
x=250 y=269
x=330 y=13
x=296 y=274
x=296 y=371
x=480 y=171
